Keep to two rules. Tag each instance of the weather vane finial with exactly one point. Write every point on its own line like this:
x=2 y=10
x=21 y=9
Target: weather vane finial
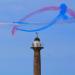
x=36 y=34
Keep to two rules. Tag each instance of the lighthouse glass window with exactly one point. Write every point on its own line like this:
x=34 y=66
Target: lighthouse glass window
x=36 y=44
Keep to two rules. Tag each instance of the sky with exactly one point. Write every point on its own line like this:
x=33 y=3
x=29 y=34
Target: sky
x=16 y=56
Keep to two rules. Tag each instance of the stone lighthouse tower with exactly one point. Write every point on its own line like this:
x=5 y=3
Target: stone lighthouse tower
x=36 y=46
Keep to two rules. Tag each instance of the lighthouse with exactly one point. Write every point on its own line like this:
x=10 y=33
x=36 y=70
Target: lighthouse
x=37 y=46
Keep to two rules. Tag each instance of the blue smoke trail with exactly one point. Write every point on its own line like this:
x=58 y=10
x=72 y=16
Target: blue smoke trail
x=42 y=28
x=62 y=14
